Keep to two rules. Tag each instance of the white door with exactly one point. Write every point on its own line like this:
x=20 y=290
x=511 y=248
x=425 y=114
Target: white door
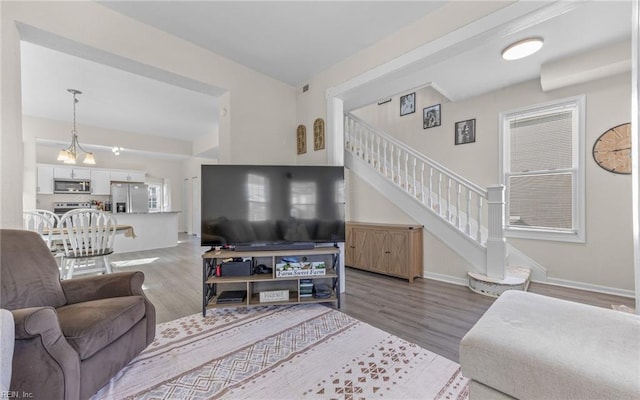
x=186 y=206
x=195 y=205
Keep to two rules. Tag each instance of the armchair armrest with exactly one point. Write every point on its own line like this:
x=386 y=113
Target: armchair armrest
x=103 y=286
x=44 y=363
x=34 y=321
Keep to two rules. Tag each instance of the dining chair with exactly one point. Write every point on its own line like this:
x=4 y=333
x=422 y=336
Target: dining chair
x=43 y=222
x=87 y=235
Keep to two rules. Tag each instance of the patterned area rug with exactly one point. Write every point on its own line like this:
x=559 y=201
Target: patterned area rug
x=283 y=352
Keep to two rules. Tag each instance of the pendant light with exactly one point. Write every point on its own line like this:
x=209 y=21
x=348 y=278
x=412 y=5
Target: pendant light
x=71 y=153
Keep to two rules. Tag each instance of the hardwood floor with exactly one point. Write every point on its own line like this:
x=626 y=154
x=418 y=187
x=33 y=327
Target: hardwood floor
x=432 y=314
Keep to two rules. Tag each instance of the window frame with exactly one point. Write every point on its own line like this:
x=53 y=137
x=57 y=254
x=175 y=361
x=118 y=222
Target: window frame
x=577 y=105
x=159 y=197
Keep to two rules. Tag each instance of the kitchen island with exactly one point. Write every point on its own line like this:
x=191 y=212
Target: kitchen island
x=153 y=230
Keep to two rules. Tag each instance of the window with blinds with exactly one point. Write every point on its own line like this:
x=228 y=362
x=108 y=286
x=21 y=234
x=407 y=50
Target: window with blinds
x=543 y=172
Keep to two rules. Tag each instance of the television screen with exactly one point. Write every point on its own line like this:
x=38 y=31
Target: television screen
x=269 y=204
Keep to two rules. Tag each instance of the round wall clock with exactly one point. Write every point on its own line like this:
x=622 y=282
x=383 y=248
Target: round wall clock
x=612 y=150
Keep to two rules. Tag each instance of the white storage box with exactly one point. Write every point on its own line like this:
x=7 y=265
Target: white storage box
x=274 y=295
x=300 y=269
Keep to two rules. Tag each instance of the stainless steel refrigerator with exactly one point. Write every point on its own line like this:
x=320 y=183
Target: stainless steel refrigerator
x=130 y=197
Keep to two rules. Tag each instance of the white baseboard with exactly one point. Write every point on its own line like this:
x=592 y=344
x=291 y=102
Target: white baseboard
x=587 y=286
x=446 y=278
x=549 y=281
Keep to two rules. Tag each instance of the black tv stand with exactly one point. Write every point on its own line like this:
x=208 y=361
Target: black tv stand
x=275 y=246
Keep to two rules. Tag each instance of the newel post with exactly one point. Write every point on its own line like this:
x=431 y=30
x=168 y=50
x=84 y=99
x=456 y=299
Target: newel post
x=496 y=242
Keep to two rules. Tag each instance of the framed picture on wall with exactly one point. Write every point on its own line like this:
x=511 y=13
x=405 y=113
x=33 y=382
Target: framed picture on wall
x=431 y=116
x=408 y=104
x=465 y=131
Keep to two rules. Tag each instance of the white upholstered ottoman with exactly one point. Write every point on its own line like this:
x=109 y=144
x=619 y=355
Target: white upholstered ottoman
x=530 y=346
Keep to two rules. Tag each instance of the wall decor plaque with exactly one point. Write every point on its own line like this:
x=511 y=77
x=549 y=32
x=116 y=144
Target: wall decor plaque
x=301 y=139
x=318 y=134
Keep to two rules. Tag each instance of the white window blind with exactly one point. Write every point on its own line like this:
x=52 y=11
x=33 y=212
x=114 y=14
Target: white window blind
x=542 y=143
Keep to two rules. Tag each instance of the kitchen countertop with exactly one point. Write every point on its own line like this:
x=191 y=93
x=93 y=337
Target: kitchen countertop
x=150 y=212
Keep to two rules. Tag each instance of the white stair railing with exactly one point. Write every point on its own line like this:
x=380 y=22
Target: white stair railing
x=459 y=202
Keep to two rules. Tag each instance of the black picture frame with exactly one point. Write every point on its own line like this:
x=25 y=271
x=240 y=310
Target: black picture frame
x=408 y=104
x=431 y=116
x=465 y=131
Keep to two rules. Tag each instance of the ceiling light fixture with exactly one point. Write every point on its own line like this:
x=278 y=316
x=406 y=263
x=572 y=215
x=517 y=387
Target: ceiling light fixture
x=116 y=150
x=522 y=48
x=71 y=153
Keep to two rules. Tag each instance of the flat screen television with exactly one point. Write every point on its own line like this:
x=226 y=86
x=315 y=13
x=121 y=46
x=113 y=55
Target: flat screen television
x=247 y=206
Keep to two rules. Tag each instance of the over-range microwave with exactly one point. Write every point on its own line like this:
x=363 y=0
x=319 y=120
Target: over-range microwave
x=71 y=186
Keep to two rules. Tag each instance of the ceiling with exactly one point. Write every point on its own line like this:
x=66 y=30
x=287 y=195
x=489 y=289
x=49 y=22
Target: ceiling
x=290 y=41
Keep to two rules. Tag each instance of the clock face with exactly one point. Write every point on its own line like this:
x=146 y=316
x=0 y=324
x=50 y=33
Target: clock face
x=612 y=150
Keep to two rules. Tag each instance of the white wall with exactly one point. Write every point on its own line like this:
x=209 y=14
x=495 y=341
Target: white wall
x=260 y=110
x=10 y=125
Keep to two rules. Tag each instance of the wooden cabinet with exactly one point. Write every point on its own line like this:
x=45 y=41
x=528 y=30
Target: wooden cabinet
x=388 y=249
x=298 y=288
x=45 y=180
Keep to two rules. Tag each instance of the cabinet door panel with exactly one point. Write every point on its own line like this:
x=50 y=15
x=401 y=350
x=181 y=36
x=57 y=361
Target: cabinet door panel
x=359 y=240
x=349 y=248
x=101 y=182
x=376 y=259
x=398 y=253
x=119 y=176
x=81 y=173
x=63 y=172
x=45 y=180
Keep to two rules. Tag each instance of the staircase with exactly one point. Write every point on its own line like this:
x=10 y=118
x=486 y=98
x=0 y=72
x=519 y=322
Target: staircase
x=466 y=217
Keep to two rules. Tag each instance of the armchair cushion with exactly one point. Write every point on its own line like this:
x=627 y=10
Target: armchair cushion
x=91 y=326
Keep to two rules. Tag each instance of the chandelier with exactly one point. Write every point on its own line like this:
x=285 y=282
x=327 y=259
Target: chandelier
x=71 y=153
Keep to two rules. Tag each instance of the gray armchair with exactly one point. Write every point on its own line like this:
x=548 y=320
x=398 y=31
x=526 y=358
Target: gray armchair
x=71 y=336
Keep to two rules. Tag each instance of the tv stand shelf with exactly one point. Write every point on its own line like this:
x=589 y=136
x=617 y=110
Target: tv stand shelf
x=254 y=284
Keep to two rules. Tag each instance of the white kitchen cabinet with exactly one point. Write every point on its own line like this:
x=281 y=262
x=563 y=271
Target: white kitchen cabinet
x=45 y=180
x=136 y=176
x=100 y=182
x=127 y=176
x=71 y=173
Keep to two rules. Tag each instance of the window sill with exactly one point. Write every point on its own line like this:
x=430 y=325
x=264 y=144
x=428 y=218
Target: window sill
x=541 y=234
